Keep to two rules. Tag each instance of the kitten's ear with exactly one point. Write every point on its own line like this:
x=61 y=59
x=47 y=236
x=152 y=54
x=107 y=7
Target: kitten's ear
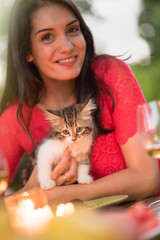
x=49 y=114
x=88 y=107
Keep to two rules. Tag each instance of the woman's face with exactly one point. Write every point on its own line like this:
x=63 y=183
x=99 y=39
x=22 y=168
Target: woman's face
x=57 y=43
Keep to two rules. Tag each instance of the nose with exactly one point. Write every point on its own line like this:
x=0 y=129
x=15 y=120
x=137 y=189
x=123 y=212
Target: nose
x=74 y=136
x=65 y=44
x=74 y=139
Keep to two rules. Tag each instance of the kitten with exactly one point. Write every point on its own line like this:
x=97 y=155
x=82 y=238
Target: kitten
x=73 y=127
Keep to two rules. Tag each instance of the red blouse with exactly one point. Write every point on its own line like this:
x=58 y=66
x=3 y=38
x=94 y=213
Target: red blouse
x=106 y=154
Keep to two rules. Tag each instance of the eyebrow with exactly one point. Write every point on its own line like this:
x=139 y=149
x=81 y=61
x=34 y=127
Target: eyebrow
x=51 y=29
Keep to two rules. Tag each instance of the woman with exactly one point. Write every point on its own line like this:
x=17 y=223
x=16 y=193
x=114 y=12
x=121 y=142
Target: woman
x=51 y=60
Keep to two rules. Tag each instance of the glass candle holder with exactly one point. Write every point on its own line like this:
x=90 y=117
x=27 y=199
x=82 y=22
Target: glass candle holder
x=29 y=211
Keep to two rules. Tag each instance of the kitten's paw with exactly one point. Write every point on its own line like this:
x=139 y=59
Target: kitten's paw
x=85 y=179
x=48 y=184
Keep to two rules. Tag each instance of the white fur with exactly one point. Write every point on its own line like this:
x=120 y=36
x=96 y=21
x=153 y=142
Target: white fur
x=50 y=153
x=83 y=174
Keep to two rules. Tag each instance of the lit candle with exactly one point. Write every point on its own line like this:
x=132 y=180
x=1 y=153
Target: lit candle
x=65 y=209
x=3 y=186
x=29 y=212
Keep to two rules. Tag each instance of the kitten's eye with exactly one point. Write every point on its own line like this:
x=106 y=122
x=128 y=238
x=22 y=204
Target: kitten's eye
x=65 y=132
x=79 y=129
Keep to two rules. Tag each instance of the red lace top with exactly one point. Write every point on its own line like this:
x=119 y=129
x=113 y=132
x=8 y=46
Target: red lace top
x=106 y=154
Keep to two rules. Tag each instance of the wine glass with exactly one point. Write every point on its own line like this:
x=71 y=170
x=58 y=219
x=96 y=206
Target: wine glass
x=148 y=123
x=3 y=174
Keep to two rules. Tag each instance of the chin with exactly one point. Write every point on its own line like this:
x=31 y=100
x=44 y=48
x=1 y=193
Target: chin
x=71 y=77
x=73 y=74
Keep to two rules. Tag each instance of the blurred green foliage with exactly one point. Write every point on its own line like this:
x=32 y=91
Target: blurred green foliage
x=4 y=16
x=151 y=16
x=149 y=79
x=149 y=25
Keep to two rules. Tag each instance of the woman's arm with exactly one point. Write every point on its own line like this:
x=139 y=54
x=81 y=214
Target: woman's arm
x=139 y=180
x=10 y=143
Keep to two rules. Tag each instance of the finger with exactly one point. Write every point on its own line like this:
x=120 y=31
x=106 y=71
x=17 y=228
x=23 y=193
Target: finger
x=62 y=166
x=72 y=171
x=64 y=180
x=70 y=181
x=70 y=175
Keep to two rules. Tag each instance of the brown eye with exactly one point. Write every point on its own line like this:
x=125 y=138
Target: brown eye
x=79 y=129
x=47 y=38
x=65 y=132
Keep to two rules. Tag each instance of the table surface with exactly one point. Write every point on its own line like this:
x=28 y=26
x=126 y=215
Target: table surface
x=150 y=202
x=124 y=206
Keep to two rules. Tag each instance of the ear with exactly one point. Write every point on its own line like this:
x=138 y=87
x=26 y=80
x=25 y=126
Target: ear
x=29 y=58
x=88 y=107
x=49 y=114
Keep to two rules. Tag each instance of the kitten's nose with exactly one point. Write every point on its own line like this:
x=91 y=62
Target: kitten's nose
x=74 y=139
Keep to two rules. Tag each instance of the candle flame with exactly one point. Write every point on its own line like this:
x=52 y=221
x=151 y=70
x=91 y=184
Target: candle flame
x=25 y=194
x=27 y=204
x=65 y=209
x=3 y=186
x=60 y=210
x=28 y=218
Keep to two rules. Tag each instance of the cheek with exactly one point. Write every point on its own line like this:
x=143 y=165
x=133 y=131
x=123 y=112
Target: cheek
x=84 y=47
x=81 y=45
x=39 y=54
x=83 y=51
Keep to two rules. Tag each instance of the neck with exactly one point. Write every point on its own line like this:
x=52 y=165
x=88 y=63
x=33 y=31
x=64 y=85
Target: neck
x=60 y=94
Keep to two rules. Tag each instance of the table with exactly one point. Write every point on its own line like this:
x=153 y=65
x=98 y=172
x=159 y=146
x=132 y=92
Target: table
x=77 y=227
x=148 y=201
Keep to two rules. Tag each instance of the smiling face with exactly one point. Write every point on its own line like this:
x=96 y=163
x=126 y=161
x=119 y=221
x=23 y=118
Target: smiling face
x=57 y=43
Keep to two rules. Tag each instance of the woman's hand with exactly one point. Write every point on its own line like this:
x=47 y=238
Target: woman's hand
x=66 y=171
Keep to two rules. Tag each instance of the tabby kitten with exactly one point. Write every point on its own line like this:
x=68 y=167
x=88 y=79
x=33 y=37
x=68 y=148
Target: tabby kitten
x=73 y=127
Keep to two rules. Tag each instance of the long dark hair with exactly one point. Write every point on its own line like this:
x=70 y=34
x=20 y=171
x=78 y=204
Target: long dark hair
x=23 y=81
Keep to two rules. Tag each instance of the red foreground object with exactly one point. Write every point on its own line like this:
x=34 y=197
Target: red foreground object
x=135 y=222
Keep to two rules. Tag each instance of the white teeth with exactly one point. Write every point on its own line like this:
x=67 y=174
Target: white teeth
x=67 y=60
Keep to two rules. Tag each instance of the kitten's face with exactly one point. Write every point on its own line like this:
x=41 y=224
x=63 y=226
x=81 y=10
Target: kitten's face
x=71 y=123
x=71 y=134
